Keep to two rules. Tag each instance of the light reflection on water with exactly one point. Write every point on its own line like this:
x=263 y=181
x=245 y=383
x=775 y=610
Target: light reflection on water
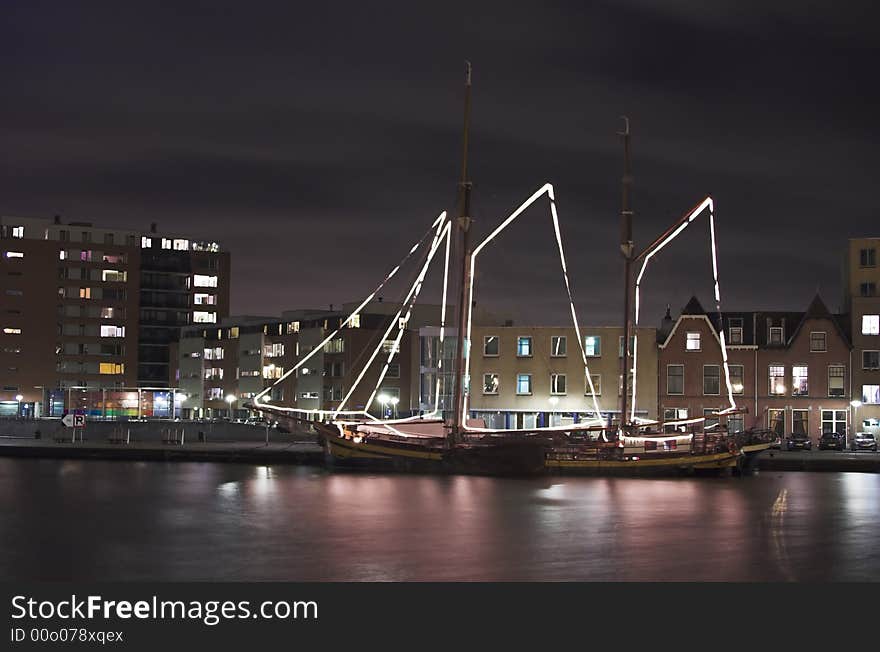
x=125 y=521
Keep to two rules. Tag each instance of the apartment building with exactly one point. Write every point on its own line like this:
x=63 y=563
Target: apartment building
x=533 y=376
x=790 y=370
x=221 y=367
x=861 y=278
x=93 y=308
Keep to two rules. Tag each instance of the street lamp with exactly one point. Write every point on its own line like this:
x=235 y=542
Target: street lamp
x=856 y=404
x=230 y=398
x=383 y=400
x=19 y=397
x=394 y=401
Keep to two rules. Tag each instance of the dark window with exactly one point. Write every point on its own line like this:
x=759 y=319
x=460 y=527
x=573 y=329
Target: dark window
x=867 y=257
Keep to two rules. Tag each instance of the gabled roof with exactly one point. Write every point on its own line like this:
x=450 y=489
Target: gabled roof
x=818 y=310
x=754 y=323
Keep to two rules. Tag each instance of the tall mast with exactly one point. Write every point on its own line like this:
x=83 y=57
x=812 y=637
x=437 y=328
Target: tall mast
x=626 y=248
x=463 y=226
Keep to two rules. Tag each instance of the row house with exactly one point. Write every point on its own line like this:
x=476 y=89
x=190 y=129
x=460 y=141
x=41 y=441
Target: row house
x=789 y=370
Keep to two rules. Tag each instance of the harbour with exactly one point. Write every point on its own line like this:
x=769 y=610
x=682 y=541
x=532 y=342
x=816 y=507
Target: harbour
x=211 y=522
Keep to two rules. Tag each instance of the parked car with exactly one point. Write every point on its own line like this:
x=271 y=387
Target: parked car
x=831 y=441
x=798 y=441
x=864 y=441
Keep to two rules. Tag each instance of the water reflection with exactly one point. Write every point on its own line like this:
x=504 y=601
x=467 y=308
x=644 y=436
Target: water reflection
x=124 y=521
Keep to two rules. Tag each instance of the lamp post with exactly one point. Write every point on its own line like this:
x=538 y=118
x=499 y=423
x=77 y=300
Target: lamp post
x=394 y=401
x=19 y=397
x=230 y=398
x=856 y=405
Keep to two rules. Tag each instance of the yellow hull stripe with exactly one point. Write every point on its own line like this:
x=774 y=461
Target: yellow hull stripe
x=697 y=461
x=374 y=451
x=754 y=448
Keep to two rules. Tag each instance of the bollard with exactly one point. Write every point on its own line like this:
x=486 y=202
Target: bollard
x=182 y=435
x=128 y=436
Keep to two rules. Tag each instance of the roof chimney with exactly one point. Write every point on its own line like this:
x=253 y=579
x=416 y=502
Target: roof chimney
x=57 y=219
x=152 y=227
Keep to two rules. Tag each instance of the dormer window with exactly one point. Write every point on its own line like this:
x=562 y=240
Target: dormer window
x=775 y=335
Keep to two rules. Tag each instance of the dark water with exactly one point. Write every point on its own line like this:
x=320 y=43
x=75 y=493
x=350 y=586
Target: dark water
x=90 y=520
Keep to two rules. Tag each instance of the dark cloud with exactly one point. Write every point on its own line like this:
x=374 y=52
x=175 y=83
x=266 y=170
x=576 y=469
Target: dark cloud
x=318 y=141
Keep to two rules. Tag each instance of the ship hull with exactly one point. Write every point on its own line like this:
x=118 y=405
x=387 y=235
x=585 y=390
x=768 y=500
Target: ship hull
x=520 y=457
x=678 y=465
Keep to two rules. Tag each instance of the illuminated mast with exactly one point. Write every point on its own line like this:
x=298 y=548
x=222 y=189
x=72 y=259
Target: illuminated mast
x=464 y=226
x=626 y=248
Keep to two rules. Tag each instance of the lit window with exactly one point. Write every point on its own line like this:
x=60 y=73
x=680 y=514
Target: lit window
x=693 y=342
x=203 y=281
x=870 y=359
x=215 y=393
x=557 y=383
x=271 y=371
x=111 y=368
x=388 y=346
x=558 y=345
x=597 y=384
x=114 y=259
x=337 y=345
x=293 y=327
x=593 y=346
x=871 y=394
x=85 y=293
x=181 y=245
x=146 y=243
x=205 y=299
x=166 y=243
x=490 y=383
x=524 y=347
x=233 y=333
x=112 y=331
x=201 y=317
x=800 y=385
x=85 y=255
x=62 y=254
x=777 y=380
x=275 y=350
x=675 y=379
x=870 y=324
x=113 y=276
x=109 y=313
x=17 y=231
x=401 y=323
x=14 y=254
x=737 y=378
x=836 y=376
x=817 y=341
x=491 y=345
x=711 y=379
x=353 y=322
x=12 y=331
x=524 y=383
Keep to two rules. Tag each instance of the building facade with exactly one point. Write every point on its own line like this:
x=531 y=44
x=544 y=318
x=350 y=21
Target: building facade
x=861 y=278
x=533 y=376
x=789 y=370
x=91 y=309
x=221 y=368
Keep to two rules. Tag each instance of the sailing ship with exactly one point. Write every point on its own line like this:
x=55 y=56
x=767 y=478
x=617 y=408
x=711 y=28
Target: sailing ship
x=432 y=443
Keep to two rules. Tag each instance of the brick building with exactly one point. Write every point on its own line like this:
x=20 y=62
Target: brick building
x=790 y=370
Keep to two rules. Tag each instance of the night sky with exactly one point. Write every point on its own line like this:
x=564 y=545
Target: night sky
x=317 y=141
